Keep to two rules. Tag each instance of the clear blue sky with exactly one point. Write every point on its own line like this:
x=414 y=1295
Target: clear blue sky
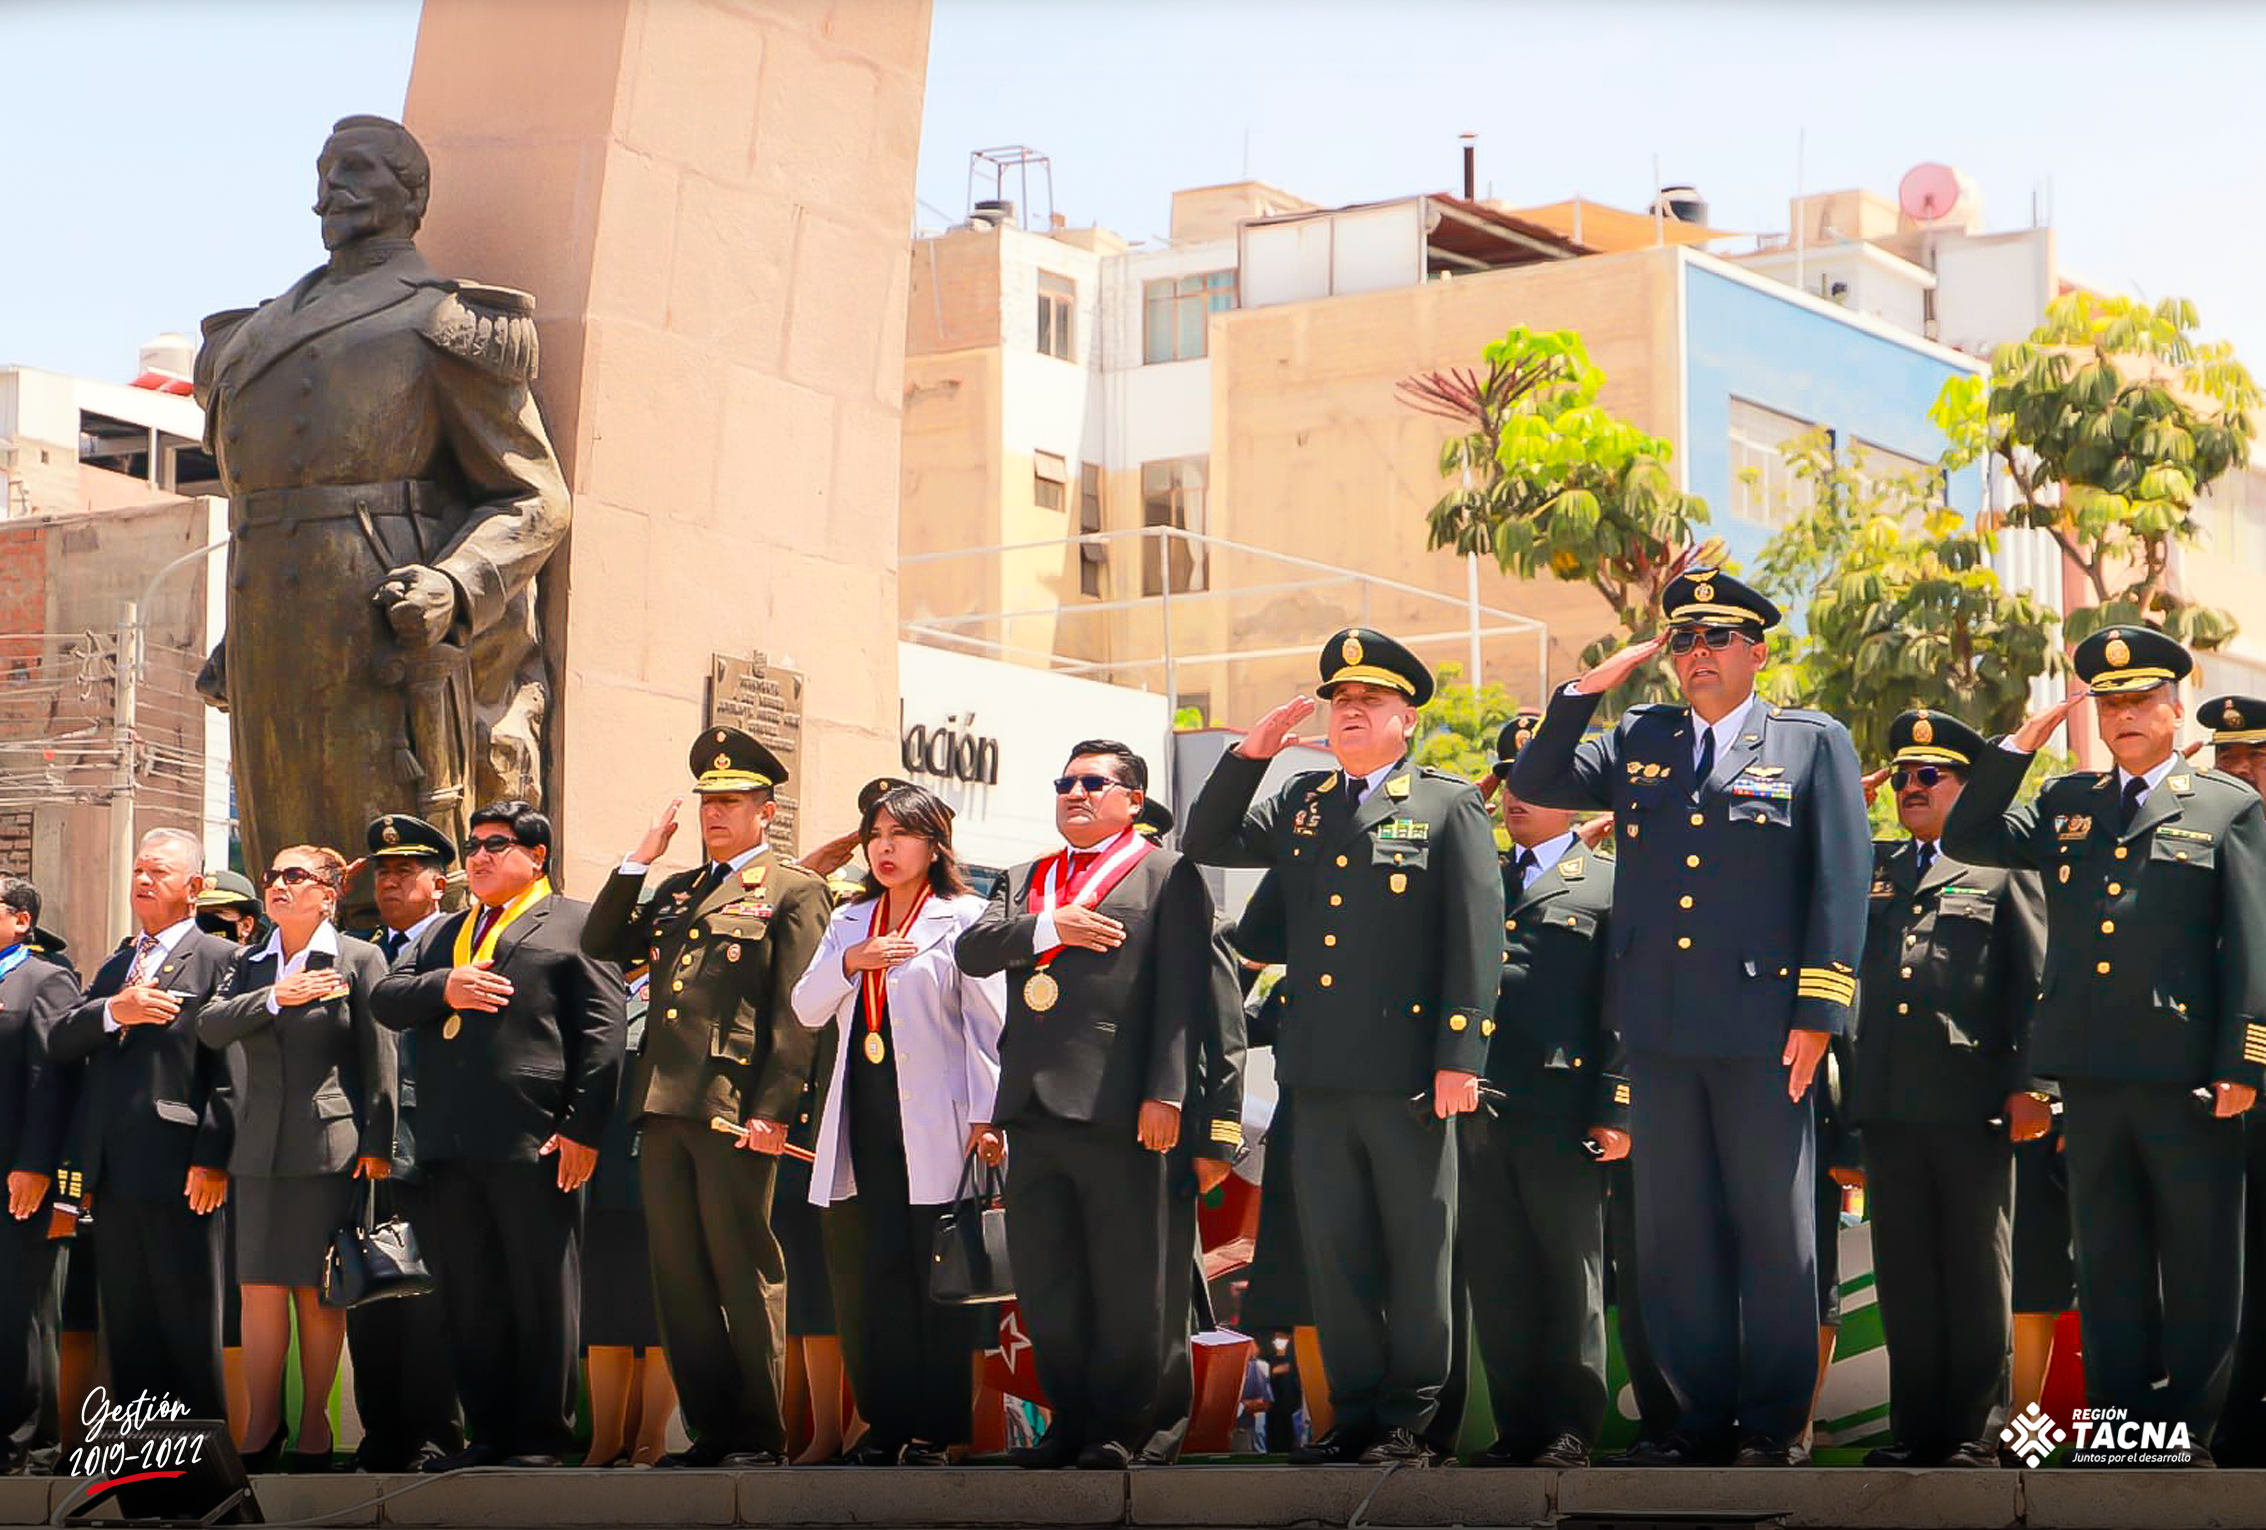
x=161 y=154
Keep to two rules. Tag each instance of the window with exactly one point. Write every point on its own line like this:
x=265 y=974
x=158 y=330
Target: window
x=1093 y=557
x=1172 y=494
x=1049 y=477
x=1764 y=490
x=1058 y=297
x=1173 y=313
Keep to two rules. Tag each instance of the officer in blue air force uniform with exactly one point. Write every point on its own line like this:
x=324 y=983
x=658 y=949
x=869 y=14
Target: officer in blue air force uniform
x=1738 y=919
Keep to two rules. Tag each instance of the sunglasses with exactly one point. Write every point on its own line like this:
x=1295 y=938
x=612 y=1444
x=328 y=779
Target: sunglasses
x=291 y=876
x=1094 y=785
x=1685 y=639
x=493 y=844
x=1925 y=775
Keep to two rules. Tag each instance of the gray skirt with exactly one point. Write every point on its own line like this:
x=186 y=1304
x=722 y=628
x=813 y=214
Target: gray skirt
x=284 y=1226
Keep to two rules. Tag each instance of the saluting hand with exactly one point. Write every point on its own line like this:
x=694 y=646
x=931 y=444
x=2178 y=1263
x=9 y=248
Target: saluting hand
x=1273 y=733
x=658 y=833
x=1159 y=1127
x=2190 y=751
x=474 y=987
x=832 y=856
x=1617 y=667
x=2036 y=729
x=576 y=1162
x=1082 y=927
x=1595 y=831
x=1804 y=1051
x=1873 y=780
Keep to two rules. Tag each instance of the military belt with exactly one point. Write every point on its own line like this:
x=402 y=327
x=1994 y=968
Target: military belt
x=293 y=508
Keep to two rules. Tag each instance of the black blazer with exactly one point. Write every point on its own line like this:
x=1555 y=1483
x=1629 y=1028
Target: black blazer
x=298 y=1114
x=35 y=1094
x=153 y=1102
x=1118 y=1034
x=549 y=1061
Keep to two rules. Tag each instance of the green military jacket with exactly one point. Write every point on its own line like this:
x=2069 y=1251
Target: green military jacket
x=2155 y=937
x=1394 y=912
x=1554 y=1047
x=1949 y=976
x=721 y=1038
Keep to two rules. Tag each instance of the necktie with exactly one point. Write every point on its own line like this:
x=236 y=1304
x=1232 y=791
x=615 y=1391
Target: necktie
x=391 y=943
x=1927 y=857
x=145 y=957
x=1526 y=866
x=2134 y=790
x=1706 y=765
x=481 y=927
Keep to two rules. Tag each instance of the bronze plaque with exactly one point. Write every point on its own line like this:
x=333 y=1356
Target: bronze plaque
x=753 y=695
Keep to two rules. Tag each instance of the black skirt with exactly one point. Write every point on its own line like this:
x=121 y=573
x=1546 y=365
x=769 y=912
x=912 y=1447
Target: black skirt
x=2045 y=1273
x=794 y=1222
x=1277 y=1296
x=617 y=1281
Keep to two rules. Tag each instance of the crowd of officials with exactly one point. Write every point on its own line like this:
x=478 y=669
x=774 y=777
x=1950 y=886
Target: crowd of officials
x=2029 y=1032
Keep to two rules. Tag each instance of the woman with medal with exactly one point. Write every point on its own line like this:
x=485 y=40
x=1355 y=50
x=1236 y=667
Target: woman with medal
x=911 y=1097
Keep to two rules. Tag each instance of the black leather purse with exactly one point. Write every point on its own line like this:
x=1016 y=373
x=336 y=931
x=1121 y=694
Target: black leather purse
x=370 y=1263
x=968 y=1264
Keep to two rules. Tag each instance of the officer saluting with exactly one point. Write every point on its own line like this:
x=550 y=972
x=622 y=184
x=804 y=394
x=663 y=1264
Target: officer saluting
x=1738 y=916
x=2151 y=1014
x=1952 y=954
x=1395 y=902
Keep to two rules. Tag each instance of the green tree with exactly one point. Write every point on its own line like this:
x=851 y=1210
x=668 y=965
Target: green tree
x=2110 y=420
x=1546 y=481
x=1456 y=730
x=1899 y=603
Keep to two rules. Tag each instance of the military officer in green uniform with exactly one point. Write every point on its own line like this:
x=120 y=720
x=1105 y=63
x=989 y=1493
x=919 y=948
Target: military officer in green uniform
x=727 y=942
x=2151 y=1015
x=1952 y=956
x=1531 y=1192
x=1395 y=907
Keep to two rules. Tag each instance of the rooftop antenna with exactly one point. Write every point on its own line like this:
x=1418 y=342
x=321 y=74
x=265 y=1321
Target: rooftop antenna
x=1470 y=166
x=1801 y=224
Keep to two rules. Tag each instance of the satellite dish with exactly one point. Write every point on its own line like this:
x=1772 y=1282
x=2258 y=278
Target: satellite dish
x=1930 y=193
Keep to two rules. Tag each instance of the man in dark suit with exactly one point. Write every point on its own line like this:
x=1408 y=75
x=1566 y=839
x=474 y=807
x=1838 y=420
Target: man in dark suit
x=1952 y=955
x=1108 y=950
x=519 y=1039
x=404 y=1375
x=1738 y=918
x=34 y=1108
x=1531 y=1197
x=2151 y=1016
x=159 y=1119
x=1395 y=905
x=727 y=942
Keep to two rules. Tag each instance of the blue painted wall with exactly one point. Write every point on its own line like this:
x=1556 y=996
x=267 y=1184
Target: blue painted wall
x=1779 y=353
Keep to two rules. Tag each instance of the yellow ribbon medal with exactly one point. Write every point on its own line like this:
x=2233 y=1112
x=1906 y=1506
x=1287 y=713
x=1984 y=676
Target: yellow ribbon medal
x=466 y=955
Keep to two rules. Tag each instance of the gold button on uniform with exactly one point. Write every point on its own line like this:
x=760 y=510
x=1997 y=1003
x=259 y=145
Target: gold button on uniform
x=1699 y=820
x=1917 y=909
x=2108 y=927
x=1337 y=900
x=1329 y=940
x=2120 y=852
x=1692 y=861
x=1683 y=942
x=2115 y=888
x=1907 y=972
x=1510 y=924
x=1904 y=1009
x=1487 y=1027
x=672 y=1014
x=2102 y=968
x=1327 y=980
x=1685 y=901
x=1341 y=860
x=678 y=986
x=1457 y=1022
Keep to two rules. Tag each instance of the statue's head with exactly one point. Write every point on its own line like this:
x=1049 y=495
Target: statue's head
x=372 y=182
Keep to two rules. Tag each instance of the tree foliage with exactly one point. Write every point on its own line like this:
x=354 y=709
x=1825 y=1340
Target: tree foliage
x=1456 y=730
x=2110 y=420
x=1900 y=605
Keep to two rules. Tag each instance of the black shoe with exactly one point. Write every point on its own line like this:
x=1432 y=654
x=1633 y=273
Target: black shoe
x=700 y=1455
x=268 y=1457
x=1398 y=1447
x=464 y=1460
x=750 y=1461
x=1104 y=1456
x=1974 y=1455
x=2199 y=1457
x=918 y=1454
x=1762 y=1450
x=1679 y=1449
x=1339 y=1447
x=1052 y=1451
x=1895 y=1453
x=873 y=1452
x=532 y=1462
x=1503 y=1453
x=1641 y=1453
x=1565 y=1453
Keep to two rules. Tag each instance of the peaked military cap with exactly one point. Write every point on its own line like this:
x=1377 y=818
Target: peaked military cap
x=2119 y=659
x=2234 y=719
x=728 y=760
x=1706 y=597
x=1364 y=655
x=1516 y=735
x=398 y=834
x=230 y=889
x=45 y=942
x=1924 y=737
x=873 y=791
x=1154 y=819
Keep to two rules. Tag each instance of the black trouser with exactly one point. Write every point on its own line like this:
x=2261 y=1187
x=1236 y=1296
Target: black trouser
x=1656 y=1401
x=1941 y=1200
x=160 y=1285
x=1727 y=1242
x=2242 y=1427
x=908 y=1356
x=28 y=1311
x=1085 y=1233
x=2156 y=1200
x=404 y=1378
x=1184 y=1319
x=506 y=1252
x=1377 y=1202
x=1531 y=1228
x=719 y=1280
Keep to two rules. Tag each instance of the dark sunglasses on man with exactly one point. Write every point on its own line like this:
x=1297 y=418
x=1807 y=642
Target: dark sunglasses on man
x=1685 y=639
x=491 y=844
x=1926 y=776
x=1094 y=785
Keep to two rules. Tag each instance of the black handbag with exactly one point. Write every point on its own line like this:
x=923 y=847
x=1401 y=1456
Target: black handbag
x=370 y=1263
x=968 y=1264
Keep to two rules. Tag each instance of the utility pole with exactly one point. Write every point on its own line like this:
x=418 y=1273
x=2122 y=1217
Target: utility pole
x=126 y=673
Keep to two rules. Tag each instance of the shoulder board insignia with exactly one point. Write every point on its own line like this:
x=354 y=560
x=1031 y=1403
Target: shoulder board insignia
x=1397 y=787
x=752 y=876
x=492 y=328
x=2101 y=782
x=1328 y=781
x=1882 y=888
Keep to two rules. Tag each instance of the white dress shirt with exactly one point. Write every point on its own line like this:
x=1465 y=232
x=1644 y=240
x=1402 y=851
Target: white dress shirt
x=2154 y=778
x=706 y=866
x=1725 y=728
x=1546 y=855
x=325 y=940
x=167 y=938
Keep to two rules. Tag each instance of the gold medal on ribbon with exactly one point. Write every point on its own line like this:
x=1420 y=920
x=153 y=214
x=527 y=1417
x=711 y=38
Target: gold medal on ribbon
x=875 y=1048
x=1041 y=992
x=451 y=1026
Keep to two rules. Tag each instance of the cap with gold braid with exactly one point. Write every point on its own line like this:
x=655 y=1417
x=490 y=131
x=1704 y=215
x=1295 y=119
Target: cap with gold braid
x=1923 y=737
x=397 y=835
x=1516 y=735
x=1371 y=658
x=2234 y=719
x=230 y=890
x=2119 y=659
x=1707 y=597
x=1154 y=819
x=728 y=760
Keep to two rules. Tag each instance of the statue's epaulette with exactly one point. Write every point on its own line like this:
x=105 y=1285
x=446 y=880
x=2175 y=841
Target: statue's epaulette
x=492 y=328
x=216 y=329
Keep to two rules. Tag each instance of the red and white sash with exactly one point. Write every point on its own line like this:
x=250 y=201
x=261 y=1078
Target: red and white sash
x=1111 y=864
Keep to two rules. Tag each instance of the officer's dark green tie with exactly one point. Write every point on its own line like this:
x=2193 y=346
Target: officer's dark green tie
x=1927 y=857
x=2134 y=790
x=1525 y=867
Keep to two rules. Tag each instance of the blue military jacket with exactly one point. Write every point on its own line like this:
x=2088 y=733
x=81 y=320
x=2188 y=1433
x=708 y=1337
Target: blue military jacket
x=1738 y=901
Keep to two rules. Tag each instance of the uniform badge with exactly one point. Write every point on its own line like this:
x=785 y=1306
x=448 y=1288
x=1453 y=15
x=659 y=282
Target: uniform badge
x=2180 y=783
x=719 y=735
x=732 y=952
x=723 y=762
x=1397 y=788
x=1570 y=868
x=751 y=876
x=2232 y=715
x=2117 y=653
x=1350 y=650
x=1041 y=992
x=1653 y=772
x=1923 y=732
x=2073 y=826
x=1636 y=767
x=1398 y=881
x=1883 y=887
x=2065 y=873
x=1308 y=819
x=390 y=835
x=1703 y=592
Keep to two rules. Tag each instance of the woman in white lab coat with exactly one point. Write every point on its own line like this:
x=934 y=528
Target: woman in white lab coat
x=912 y=1092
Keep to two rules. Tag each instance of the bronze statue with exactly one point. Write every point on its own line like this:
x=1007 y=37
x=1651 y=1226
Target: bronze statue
x=392 y=495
